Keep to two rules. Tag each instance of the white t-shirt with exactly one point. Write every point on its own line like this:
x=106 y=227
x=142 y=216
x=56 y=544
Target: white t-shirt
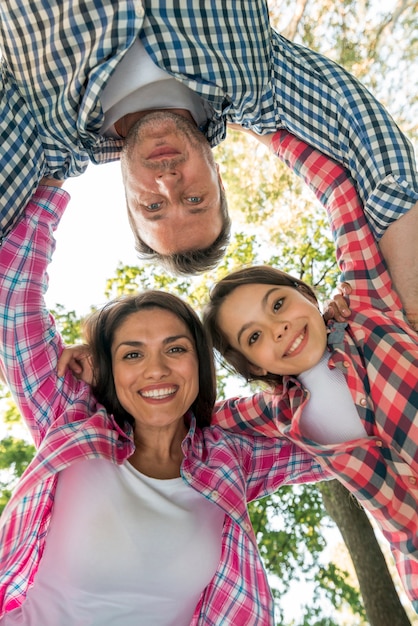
x=122 y=549
x=330 y=415
x=138 y=84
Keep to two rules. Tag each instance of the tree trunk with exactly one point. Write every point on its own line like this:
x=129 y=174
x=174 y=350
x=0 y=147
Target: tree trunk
x=381 y=601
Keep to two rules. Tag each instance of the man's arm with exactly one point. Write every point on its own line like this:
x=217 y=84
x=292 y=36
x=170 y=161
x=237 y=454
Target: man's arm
x=399 y=247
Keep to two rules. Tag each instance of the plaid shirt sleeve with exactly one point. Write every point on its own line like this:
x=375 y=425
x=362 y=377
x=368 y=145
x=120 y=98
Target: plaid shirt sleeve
x=357 y=252
x=29 y=344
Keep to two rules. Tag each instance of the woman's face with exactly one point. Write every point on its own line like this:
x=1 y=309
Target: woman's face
x=276 y=328
x=155 y=368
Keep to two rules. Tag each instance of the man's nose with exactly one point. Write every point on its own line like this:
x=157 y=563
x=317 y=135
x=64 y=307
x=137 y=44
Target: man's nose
x=168 y=179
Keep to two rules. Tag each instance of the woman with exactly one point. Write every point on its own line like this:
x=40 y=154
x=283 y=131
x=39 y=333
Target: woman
x=134 y=507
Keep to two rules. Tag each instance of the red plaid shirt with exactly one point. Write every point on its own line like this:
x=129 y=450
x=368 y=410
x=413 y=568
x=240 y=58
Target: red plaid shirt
x=378 y=353
x=68 y=424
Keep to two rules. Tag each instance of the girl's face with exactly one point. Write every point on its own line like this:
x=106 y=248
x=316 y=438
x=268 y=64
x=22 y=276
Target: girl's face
x=276 y=328
x=155 y=368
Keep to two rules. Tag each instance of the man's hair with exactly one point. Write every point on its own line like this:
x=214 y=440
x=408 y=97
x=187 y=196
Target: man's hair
x=191 y=261
x=231 y=358
x=99 y=332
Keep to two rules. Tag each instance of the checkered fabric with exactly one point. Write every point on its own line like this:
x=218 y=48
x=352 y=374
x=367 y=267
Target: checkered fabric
x=378 y=354
x=58 y=56
x=67 y=424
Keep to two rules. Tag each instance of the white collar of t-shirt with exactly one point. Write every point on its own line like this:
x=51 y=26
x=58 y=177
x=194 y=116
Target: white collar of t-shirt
x=138 y=84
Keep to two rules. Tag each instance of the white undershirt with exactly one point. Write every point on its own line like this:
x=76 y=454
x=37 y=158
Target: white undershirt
x=330 y=415
x=138 y=84
x=122 y=549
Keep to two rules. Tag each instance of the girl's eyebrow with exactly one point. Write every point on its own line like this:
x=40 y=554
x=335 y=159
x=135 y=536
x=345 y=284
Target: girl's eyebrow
x=264 y=301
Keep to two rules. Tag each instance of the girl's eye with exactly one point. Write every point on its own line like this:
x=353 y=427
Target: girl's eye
x=253 y=338
x=194 y=199
x=278 y=304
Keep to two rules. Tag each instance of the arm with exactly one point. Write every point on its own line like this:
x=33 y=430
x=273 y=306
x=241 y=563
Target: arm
x=397 y=245
x=30 y=343
x=253 y=415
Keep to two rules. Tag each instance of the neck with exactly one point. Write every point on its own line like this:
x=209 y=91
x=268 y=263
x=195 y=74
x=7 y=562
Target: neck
x=158 y=452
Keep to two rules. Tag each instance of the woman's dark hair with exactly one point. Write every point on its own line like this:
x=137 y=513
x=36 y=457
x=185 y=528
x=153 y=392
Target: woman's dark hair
x=257 y=274
x=100 y=329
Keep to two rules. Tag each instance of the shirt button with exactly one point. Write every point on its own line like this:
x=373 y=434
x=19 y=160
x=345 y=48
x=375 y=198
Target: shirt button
x=363 y=402
x=215 y=494
x=139 y=9
x=346 y=364
x=379 y=443
x=412 y=480
x=187 y=475
x=247 y=527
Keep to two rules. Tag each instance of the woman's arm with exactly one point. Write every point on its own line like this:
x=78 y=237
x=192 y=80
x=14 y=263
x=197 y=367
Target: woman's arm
x=30 y=343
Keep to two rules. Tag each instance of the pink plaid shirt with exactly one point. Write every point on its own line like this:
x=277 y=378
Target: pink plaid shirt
x=378 y=353
x=67 y=424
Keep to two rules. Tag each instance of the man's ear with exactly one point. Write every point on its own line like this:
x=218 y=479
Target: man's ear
x=219 y=175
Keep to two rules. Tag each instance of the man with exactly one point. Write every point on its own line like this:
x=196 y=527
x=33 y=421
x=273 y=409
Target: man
x=78 y=77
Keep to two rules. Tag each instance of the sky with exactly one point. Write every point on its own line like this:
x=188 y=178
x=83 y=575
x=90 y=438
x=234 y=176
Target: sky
x=92 y=238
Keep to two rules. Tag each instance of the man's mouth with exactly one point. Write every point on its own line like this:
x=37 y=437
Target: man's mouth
x=163 y=152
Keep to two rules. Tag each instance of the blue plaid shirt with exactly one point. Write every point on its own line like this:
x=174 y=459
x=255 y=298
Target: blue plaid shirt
x=57 y=58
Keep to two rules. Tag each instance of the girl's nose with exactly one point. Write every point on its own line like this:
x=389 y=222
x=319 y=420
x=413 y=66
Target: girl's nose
x=280 y=330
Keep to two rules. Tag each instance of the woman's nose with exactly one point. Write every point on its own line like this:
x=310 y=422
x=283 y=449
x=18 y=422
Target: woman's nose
x=156 y=367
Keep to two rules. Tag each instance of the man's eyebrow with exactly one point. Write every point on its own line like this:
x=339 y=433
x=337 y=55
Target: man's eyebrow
x=161 y=215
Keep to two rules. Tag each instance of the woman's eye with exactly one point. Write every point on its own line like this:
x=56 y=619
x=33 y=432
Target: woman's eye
x=278 y=304
x=194 y=199
x=176 y=350
x=132 y=355
x=253 y=338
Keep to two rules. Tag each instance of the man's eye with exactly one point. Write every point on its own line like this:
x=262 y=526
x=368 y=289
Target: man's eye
x=253 y=338
x=194 y=199
x=154 y=206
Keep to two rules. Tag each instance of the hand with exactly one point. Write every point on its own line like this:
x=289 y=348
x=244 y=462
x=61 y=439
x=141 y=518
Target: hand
x=337 y=309
x=77 y=359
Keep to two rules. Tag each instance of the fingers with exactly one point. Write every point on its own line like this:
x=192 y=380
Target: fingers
x=73 y=358
x=337 y=309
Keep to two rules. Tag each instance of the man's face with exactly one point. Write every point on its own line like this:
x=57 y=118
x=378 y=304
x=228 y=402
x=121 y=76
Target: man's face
x=172 y=184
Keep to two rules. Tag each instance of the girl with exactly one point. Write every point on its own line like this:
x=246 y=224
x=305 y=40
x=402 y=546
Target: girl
x=346 y=393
